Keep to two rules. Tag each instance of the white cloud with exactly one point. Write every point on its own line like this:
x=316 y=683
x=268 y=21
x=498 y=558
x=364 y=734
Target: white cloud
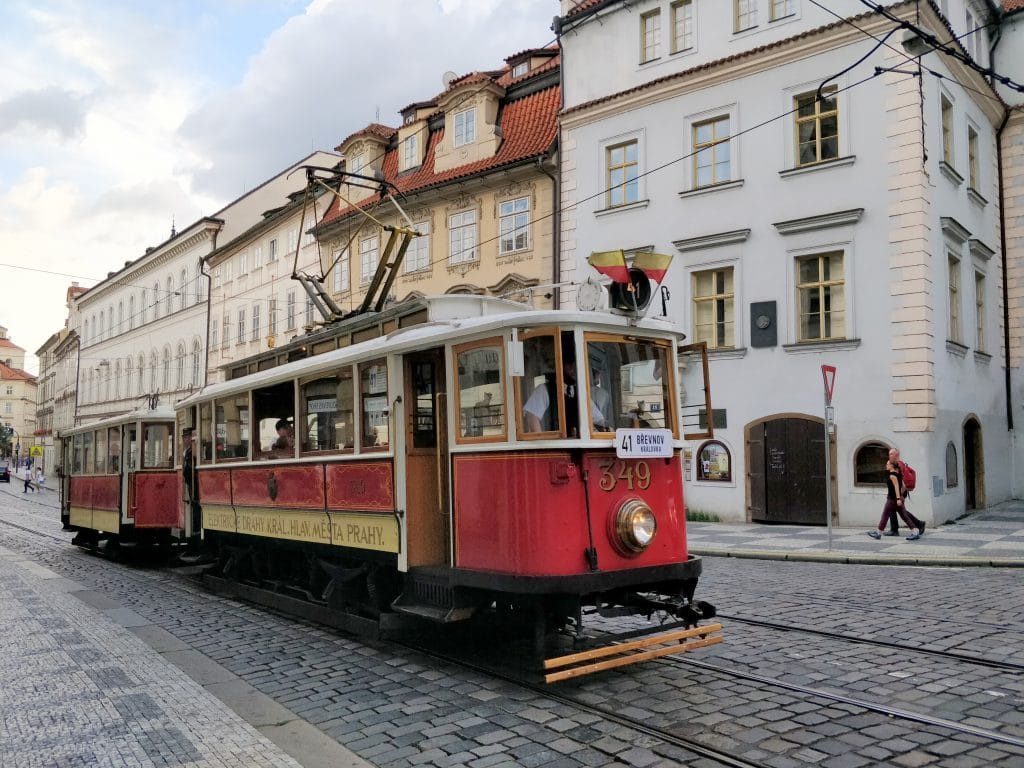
x=110 y=129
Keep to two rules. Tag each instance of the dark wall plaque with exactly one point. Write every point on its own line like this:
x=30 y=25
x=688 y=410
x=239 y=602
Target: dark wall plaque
x=763 y=324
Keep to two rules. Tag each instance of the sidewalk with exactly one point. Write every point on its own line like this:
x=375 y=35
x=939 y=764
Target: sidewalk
x=991 y=537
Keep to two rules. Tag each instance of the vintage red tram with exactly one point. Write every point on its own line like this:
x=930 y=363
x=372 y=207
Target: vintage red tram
x=473 y=455
x=118 y=481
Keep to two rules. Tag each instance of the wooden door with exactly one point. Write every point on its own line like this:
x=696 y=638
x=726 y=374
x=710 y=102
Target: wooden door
x=426 y=462
x=791 y=486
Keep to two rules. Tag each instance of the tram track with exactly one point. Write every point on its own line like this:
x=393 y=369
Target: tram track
x=680 y=741
x=1006 y=666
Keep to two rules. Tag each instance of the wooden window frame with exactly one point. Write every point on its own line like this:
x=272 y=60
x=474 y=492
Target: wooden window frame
x=387 y=397
x=650 y=36
x=714 y=297
x=624 y=186
x=979 y=310
x=870 y=444
x=710 y=146
x=699 y=468
x=751 y=14
x=249 y=452
x=973 y=165
x=668 y=370
x=820 y=285
x=558 y=434
x=458 y=349
x=514 y=231
x=677 y=17
x=774 y=6
x=946 y=121
x=953 y=267
x=828 y=93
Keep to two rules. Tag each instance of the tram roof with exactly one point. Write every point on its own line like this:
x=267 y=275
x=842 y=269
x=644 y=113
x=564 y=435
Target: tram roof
x=149 y=414
x=451 y=318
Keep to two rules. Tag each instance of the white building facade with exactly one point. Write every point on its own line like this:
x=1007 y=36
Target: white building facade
x=858 y=229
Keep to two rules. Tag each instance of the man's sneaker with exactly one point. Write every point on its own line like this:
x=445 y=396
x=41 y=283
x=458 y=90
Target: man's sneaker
x=921 y=529
x=874 y=534
x=914 y=536
x=891 y=533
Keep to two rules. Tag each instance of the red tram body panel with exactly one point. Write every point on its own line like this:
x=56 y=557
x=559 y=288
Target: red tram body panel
x=156 y=499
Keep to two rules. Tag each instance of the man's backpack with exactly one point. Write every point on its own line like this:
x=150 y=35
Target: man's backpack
x=909 y=476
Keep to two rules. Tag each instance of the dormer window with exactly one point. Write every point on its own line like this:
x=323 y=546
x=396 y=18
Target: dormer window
x=356 y=166
x=465 y=127
x=410 y=156
x=521 y=68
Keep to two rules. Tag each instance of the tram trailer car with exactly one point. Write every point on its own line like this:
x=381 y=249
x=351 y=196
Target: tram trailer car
x=118 y=481
x=464 y=464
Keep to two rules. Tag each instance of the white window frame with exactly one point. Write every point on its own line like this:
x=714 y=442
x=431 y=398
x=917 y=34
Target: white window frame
x=410 y=152
x=954 y=296
x=417 y=256
x=781 y=9
x=464 y=127
x=511 y=225
x=713 y=116
x=257 y=256
x=980 y=311
x=272 y=250
x=369 y=257
x=744 y=15
x=948 y=128
x=520 y=69
x=290 y=311
x=819 y=246
x=243 y=264
x=714 y=297
x=973 y=156
x=241 y=326
x=272 y=315
x=460 y=230
x=342 y=271
x=255 y=331
x=604 y=146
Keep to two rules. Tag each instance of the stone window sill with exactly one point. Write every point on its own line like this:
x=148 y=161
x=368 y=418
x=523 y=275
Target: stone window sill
x=696 y=191
x=831 y=345
x=621 y=208
x=956 y=348
x=950 y=173
x=982 y=357
x=976 y=197
x=800 y=170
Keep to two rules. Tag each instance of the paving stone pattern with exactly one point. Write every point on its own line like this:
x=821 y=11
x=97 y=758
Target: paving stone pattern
x=397 y=708
x=95 y=695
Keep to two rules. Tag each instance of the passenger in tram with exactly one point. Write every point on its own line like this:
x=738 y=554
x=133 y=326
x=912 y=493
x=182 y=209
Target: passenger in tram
x=114 y=451
x=540 y=416
x=601 y=408
x=285 y=436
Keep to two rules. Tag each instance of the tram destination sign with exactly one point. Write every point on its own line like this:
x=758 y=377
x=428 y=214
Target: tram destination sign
x=643 y=443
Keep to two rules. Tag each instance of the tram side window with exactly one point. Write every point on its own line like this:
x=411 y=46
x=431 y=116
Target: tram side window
x=101 y=452
x=114 y=450
x=629 y=385
x=373 y=394
x=274 y=408
x=232 y=428
x=205 y=433
x=328 y=413
x=87 y=454
x=539 y=406
x=481 y=393
x=76 y=454
x=131 y=444
x=157 y=446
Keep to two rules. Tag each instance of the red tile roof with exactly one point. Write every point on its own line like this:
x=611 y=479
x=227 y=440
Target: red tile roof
x=373 y=129
x=9 y=344
x=529 y=127
x=7 y=373
x=1013 y=5
x=581 y=6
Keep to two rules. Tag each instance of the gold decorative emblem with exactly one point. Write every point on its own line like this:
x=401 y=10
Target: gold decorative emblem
x=272 y=486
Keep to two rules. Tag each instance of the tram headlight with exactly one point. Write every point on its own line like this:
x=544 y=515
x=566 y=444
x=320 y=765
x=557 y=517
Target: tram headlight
x=635 y=525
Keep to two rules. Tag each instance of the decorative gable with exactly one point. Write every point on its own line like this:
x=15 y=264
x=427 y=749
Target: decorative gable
x=471 y=131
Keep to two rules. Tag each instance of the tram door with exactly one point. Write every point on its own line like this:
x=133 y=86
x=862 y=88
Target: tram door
x=426 y=462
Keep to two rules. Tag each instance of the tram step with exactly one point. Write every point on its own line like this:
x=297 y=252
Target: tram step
x=430 y=596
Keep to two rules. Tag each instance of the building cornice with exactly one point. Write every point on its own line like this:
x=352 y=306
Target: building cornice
x=772 y=56
x=820 y=221
x=979 y=250
x=711 y=241
x=954 y=230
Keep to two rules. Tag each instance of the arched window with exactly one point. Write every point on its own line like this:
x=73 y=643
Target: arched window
x=88 y=388
x=180 y=373
x=131 y=312
x=99 y=331
x=166 y=375
x=128 y=371
x=200 y=292
x=85 y=333
x=152 y=371
x=714 y=462
x=869 y=464
x=156 y=300
x=181 y=290
x=95 y=329
x=197 y=353
x=117 y=380
x=952 y=472
x=144 y=310
x=141 y=376
x=168 y=307
x=120 y=317
x=110 y=322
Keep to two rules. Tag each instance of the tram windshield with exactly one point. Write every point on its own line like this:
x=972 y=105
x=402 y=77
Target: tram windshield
x=629 y=383
x=158 y=446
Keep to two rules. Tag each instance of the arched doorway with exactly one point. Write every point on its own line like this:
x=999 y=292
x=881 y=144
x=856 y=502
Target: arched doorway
x=786 y=475
x=974 y=465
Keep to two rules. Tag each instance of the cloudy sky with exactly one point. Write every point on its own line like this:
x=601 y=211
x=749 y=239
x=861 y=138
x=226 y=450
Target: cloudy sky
x=117 y=117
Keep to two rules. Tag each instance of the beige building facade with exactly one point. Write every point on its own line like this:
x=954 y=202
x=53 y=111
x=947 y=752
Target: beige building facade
x=17 y=399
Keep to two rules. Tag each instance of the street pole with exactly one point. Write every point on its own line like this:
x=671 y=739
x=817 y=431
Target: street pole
x=828 y=376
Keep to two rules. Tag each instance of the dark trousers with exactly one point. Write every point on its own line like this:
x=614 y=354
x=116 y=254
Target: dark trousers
x=889 y=515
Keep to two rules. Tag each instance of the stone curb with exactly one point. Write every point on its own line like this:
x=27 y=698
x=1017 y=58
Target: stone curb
x=840 y=557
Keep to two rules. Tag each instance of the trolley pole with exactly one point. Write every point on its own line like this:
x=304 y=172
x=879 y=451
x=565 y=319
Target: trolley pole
x=828 y=375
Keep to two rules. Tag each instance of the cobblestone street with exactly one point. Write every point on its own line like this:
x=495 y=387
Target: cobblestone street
x=135 y=666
